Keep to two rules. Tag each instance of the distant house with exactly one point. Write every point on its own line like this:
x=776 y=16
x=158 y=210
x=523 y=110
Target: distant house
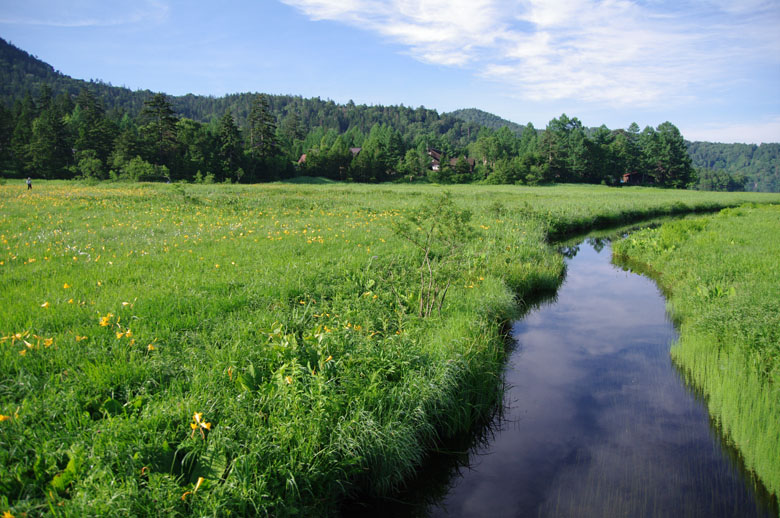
x=355 y=151
x=302 y=160
x=630 y=179
x=436 y=156
x=470 y=161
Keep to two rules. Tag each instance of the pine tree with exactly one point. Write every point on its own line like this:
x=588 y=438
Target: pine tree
x=230 y=146
x=22 y=136
x=262 y=129
x=48 y=146
x=93 y=131
x=675 y=163
x=6 y=132
x=160 y=128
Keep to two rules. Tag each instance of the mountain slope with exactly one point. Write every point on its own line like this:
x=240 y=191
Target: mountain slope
x=486 y=119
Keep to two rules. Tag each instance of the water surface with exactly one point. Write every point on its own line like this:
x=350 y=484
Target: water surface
x=597 y=421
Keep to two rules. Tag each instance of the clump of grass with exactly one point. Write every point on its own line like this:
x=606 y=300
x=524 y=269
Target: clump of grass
x=723 y=283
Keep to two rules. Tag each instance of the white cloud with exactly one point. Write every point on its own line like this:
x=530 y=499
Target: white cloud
x=744 y=132
x=88 y=13
x=617 y=52
x=447 y=32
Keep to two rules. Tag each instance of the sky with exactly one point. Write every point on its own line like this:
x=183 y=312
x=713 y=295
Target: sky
x=712 y=67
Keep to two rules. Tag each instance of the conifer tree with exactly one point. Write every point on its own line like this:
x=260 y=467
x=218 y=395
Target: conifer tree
x=160 y=127
x=229 y=146
x=22 y=135
x=262 y=129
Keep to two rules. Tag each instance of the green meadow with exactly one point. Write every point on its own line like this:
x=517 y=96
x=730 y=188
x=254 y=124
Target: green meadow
x=721 y=275
x=277 y=349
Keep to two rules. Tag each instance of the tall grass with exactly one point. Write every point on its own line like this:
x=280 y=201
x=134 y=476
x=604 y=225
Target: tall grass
x=255 y=350
x=722 y=275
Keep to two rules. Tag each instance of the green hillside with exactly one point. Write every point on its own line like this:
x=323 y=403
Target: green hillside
x=214 y=136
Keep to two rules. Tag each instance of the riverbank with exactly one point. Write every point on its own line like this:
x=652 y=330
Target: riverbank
x=722 y=279
x=189 y=349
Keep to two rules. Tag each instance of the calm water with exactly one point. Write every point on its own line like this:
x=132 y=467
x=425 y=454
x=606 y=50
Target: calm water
x=598 y=423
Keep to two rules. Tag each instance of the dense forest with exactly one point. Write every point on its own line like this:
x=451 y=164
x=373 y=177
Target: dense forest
x=54 y=126
x=486 y=119
x=722 y=167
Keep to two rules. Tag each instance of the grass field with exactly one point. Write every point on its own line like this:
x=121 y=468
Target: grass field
x=722 y=278
x=258 y=350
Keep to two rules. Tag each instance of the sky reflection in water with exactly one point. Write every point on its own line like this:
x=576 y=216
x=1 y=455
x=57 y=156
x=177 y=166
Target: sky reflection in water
x=598 y=421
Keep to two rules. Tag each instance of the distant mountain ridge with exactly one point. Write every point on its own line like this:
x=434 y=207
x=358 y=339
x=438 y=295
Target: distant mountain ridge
x=22 y=74
x=487 y=119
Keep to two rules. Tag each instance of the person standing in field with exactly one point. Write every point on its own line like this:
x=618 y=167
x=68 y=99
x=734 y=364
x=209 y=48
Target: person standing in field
x=29 y=183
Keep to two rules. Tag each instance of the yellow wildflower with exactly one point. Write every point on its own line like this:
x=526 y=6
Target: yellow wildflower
x=80 y=338
x=197 y=485
x=150 y=347
x=199 y=424
x=45 y=305
x=70 y=301
x=65 y=286
x=48 y=341
x=288 y=379
x=4 y=418
x=119 y=334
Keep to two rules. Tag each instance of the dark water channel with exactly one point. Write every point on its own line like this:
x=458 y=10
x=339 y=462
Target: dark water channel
x=597 y=421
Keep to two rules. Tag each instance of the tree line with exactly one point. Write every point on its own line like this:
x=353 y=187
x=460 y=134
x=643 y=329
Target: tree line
x=67 y=136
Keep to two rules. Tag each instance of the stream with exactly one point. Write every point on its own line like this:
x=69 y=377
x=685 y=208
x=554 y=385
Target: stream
x=597 y=422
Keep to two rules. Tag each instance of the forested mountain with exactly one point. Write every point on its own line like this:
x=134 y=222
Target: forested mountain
x=54 y=126
x=486 y=119
x=22 y=74
x=757 y=168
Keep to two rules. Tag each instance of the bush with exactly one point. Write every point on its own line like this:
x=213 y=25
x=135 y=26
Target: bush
x=139 y=170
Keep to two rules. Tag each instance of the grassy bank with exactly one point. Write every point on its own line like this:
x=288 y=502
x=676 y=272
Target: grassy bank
x=722 y=278
x=256 y=350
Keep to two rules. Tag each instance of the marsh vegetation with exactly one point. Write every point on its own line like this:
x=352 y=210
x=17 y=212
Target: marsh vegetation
x=201 y=349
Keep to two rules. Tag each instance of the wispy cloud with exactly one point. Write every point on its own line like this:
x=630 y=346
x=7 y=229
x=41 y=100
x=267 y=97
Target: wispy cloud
x=619 y=52
x=87 y=13
x=747 y=132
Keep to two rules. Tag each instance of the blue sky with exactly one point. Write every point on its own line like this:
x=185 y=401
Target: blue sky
x=711 y=67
